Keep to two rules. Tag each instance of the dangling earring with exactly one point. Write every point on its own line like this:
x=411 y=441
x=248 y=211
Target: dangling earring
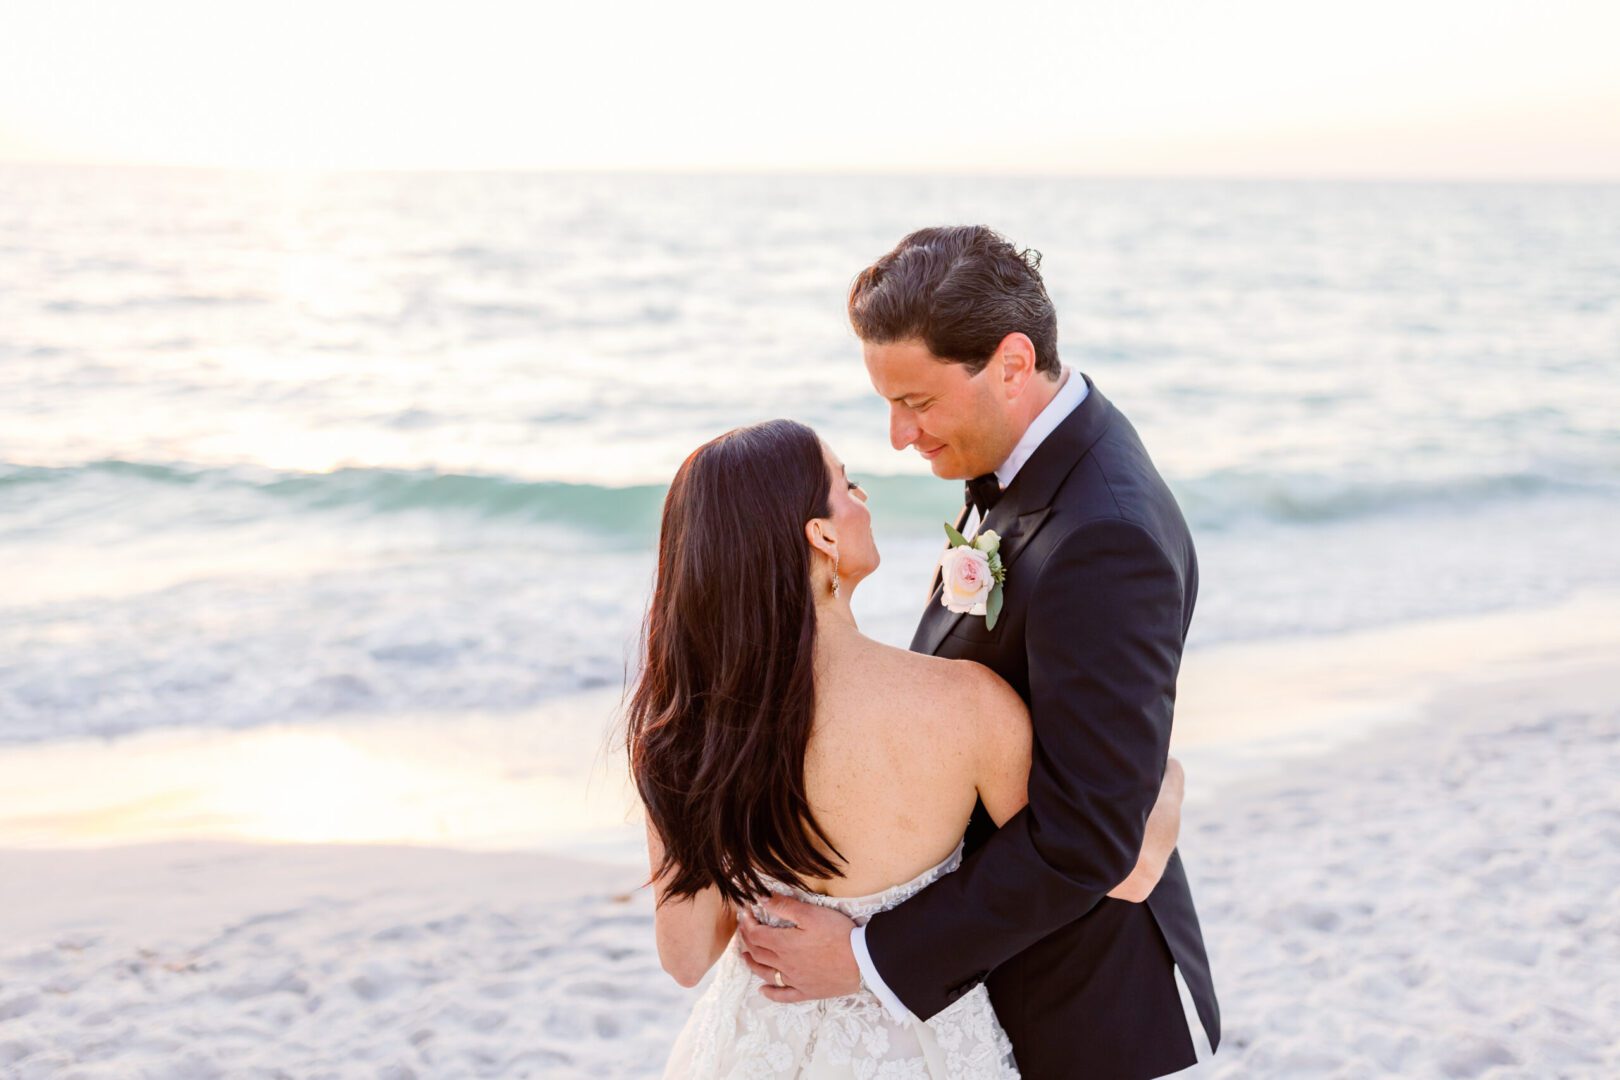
x=835 y=574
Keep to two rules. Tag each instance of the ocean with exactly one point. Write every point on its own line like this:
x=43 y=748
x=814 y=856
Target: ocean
x=278 y=448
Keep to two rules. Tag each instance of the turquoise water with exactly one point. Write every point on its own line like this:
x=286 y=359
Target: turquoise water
x=276 y=447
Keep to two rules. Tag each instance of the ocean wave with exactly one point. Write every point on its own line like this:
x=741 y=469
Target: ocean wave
x=473 y=626
x=1215 y=501
x=619 y=510
x=1233 y=497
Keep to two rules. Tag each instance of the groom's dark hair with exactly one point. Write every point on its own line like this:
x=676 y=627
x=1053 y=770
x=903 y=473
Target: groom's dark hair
x=959 y=290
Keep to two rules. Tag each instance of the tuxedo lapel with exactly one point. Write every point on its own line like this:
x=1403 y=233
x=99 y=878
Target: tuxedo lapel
x=1025 y=505
x=1015 y=532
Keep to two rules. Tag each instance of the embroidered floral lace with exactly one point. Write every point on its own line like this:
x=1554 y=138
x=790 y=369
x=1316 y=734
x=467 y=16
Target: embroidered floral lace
x=736 y=1032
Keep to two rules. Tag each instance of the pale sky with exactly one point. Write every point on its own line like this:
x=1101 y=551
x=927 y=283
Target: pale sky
x=1411 y=88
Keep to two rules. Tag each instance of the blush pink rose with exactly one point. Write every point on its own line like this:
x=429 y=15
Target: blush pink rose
x=965 y=572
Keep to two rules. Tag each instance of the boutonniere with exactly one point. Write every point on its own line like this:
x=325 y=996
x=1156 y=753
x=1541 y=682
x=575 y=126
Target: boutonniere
x=972 y=575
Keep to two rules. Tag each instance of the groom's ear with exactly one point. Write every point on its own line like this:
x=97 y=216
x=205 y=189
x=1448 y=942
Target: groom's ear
x=1017 y=355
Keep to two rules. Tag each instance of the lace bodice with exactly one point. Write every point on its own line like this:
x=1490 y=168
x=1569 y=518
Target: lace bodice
x=735 y=1032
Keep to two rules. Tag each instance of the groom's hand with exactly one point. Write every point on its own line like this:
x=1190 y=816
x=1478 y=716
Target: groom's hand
x=813 y=954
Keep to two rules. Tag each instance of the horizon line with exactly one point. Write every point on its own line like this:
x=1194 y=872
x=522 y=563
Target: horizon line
x=871 y=171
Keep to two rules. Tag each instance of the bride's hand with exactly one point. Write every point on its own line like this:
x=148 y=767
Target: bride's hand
x=1158 y=839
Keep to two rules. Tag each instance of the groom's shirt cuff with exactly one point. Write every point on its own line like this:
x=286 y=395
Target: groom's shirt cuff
x=873 y=981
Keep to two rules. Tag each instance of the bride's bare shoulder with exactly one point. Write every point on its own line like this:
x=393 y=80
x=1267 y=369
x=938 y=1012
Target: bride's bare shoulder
x=960 y=682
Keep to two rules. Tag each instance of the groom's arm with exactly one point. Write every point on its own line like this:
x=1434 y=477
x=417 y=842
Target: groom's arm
x=1104 y=635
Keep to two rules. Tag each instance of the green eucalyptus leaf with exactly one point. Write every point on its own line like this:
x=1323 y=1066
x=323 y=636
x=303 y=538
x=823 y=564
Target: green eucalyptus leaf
x=956 y=538
x=992 y=607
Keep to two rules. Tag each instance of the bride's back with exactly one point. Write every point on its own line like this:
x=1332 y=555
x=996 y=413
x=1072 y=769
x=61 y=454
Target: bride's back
x=760 y=705
x=903 y=745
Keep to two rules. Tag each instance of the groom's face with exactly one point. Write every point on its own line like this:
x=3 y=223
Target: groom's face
x=957 y=421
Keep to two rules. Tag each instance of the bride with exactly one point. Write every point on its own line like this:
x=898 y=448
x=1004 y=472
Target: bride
x=778 y=750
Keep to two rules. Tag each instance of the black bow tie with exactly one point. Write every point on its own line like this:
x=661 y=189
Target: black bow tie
x=983 y=492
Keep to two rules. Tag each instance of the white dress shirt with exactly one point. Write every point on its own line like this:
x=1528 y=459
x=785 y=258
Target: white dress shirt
x=1072 y=391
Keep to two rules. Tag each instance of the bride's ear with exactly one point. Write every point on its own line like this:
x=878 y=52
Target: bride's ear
x=820 y=536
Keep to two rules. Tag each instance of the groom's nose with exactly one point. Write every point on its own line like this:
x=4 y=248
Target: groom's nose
x=903 y=428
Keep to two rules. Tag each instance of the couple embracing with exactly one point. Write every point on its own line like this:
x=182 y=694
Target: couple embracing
x=953 y=861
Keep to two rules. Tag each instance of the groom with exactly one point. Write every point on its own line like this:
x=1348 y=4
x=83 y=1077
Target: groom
x=961 y=338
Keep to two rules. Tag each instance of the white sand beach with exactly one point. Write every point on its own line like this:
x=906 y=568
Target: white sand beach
x=1434 y=895
x=197 y=959
x=1441 y=902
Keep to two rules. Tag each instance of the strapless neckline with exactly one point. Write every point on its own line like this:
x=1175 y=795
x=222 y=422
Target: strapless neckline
x=862 y=908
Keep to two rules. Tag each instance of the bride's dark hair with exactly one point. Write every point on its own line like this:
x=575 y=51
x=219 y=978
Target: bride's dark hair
x=720 y=716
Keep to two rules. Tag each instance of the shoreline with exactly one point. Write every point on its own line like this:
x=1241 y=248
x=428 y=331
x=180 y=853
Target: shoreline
x=517 y=782
x=1239 y=705
x=538 y=781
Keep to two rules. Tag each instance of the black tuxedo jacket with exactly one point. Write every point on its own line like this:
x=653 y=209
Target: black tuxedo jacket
x=1101 y=579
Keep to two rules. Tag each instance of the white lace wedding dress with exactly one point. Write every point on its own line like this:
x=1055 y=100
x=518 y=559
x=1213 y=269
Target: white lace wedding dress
x=736 y=1032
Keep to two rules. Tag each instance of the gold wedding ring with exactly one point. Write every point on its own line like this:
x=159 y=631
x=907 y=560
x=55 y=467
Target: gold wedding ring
x=779 y=981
